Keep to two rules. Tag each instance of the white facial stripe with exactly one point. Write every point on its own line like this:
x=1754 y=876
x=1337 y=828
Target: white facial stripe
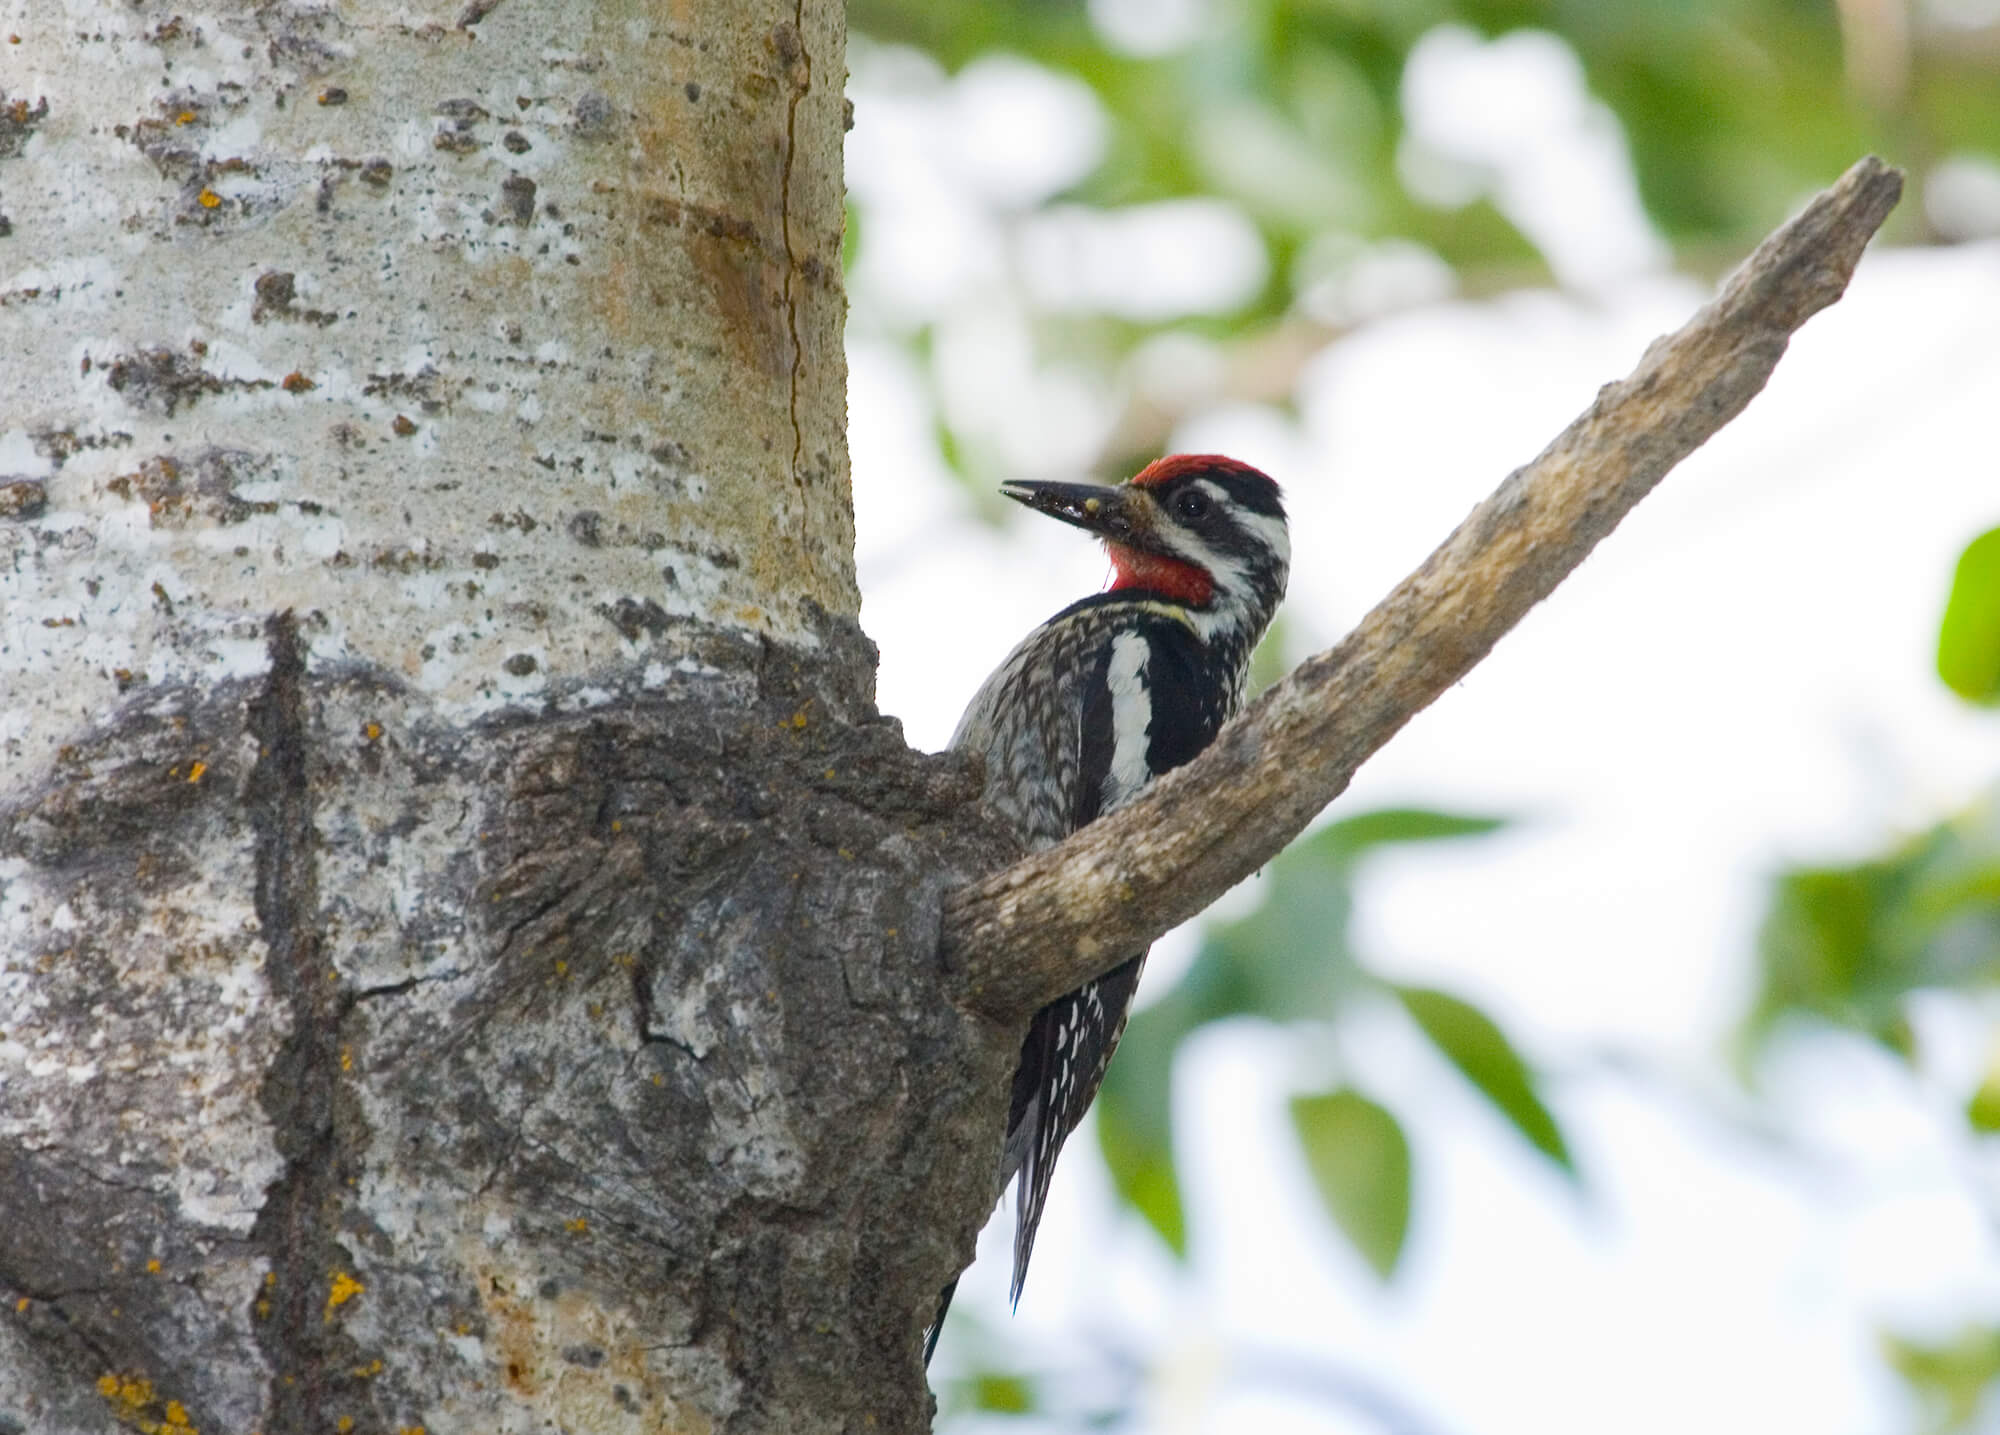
x=1270 y=531
x=1230 y=571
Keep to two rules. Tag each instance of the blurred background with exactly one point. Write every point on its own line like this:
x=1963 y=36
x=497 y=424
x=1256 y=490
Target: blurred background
x=1623 y=1050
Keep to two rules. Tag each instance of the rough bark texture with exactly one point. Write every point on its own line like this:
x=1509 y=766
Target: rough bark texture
x=1060 y=917
x=467 y=942
x=589 y=1069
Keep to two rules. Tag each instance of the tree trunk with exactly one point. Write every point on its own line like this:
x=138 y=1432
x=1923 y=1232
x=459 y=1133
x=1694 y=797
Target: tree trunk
x=467 y=942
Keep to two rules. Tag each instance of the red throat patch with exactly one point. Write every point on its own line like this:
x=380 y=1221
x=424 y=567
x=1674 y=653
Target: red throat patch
x=1170 y=577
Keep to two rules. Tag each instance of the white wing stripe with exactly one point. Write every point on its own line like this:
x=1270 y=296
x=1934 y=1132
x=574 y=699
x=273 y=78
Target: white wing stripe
x=1131 y=716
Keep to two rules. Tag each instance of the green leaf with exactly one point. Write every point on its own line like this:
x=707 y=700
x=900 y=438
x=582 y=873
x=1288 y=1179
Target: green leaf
x=1848 y=945
x=1969 y=637
x=1355 y=835
x=1135 y=1120
x=1952 y=1379
x=1001 y=1394
x=1982 y=1110
x=1145 y=1180
x=1474 y=1044
x=1360 y=1161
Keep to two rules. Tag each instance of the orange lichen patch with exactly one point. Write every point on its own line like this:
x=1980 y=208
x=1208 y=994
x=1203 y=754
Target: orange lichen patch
x=185 y=117
x=157 y=484
x=344 y=1424
x=344 y=1289
x=578 y=1226
x=195 y=772
x=372 y=731
x=411 y=1430
x=208 y=198
x=367 y=1372
x=562 y=968
x=347 y=1058
x=21 y=1304
x=135 y=1404
x=297 y=383
x=153 y=1266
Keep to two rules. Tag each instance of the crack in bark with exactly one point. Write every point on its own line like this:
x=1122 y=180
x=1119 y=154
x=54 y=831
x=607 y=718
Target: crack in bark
x=396 y=989
x=799 y=91
x=299 y=1088
x=106 y=1358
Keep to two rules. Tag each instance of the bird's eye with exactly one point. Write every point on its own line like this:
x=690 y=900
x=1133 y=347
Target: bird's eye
x=1191 y=504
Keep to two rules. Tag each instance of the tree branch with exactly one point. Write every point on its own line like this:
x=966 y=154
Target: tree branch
x=1059 y=917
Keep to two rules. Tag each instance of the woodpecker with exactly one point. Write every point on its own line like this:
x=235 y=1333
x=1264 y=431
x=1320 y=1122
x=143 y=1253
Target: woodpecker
x=1093 y=705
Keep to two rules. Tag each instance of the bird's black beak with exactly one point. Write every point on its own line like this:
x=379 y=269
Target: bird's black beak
x=1108 y=512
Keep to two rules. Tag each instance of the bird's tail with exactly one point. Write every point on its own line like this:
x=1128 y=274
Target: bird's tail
x=1063 y=1058
x=936 y=1327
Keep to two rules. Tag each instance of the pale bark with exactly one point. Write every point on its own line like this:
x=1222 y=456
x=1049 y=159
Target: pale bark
x=466 y=941
x=1059 y=917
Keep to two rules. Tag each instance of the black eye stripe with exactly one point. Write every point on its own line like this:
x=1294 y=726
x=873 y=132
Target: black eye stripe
x=1250 y=491
x=1240 y=487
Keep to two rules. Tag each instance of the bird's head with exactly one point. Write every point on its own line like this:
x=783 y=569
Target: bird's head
x=1198 y=530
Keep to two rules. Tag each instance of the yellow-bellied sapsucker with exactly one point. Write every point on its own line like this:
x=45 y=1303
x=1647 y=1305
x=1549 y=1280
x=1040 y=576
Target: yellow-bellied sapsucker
x=1093 y=705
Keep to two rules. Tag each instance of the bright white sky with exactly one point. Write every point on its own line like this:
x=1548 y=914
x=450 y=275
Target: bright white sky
x=1740 y=678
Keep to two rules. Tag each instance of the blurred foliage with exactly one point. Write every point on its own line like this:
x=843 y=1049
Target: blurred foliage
x=1290 y=963
x=1360 y=1161
x=1732 y=108
x=1293 y=111
x=1482 y=1053
x=1001 y=1394
x=1969 y=637
x=1849 y=946
x=1951 y=1380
